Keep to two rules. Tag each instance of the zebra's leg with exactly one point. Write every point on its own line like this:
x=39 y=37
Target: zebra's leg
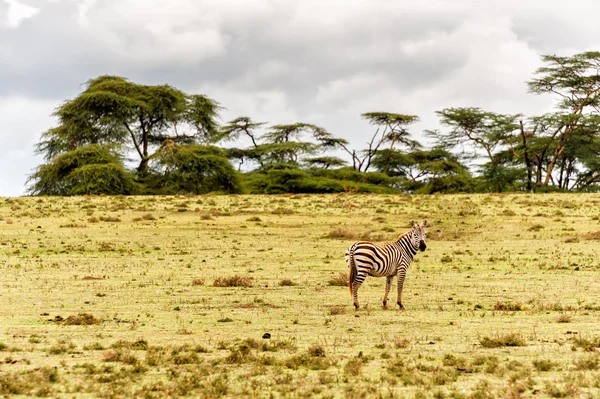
x=401 y=275
x=388 y=283
x=360 y=278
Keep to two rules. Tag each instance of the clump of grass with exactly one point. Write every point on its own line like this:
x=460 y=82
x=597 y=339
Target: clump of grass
x=197 y=281
x=563 y=318
x=121 y=355
x=507 y=306
x=254 y=219
x=512 y=339
x=339 y=281
x=570 y=240
x=587 y=363
x=61 y=347
x=446 y=259
x=355 y=364
x=240 y=354
x=401 y=342
x=544 y=364
x=450 y=360
x=30 y=383
x=74 y=225
x=112 y=219
x=282 y=211
x=587 y=344
x=348 y=234
x=536 y=227
x=206 y=216
x=337 y=310
x=314 y=359
x=233 y=281
x=286 y=282
x=82 y=319
x=140 y=344
x=592 y=235
x=148 y=216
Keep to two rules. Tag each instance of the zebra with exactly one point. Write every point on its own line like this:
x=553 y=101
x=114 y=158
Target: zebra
x=365 y=258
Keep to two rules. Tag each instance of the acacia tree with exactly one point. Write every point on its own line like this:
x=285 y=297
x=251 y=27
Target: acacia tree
x=236 y=128
x=480 y=134
x=425 y=170
x=280 y=143
x=575 y=81
x=114 y=110
x=391 y=129
x=193 y=169
x=89 y=169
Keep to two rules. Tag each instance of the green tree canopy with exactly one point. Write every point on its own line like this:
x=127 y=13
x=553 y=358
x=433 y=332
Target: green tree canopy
x=113 y=110
x=193 y=169
x=89 y=169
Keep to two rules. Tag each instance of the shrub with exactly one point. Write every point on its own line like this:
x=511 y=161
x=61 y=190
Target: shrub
x=340 y=281
x=507 y=306
x=512 y=339
x=233 y=281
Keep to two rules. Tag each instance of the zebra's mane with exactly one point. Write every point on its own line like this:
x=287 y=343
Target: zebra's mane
x=401 y=236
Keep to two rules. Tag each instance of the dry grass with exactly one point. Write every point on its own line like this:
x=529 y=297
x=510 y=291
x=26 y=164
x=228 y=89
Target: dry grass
x=343 y=233
x=233 y=281
x=148 y=321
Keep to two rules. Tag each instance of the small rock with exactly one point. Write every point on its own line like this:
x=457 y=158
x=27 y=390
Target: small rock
x=266 y=336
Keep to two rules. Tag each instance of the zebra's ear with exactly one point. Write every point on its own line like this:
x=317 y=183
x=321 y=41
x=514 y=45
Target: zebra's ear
x=425 y=223
x=412 y=223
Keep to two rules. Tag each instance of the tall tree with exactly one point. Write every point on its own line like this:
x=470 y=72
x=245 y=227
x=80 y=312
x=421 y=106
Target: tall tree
x=114 y=110
x=89 y=169
x=575 y=81
x=479 y=132
x=289 y=143
x=391 y=129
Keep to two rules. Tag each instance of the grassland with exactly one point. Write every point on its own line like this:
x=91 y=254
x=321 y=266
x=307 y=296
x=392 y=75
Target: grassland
x=171 y=296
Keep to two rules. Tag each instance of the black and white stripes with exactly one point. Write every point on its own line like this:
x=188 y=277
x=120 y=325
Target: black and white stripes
x=387 y=260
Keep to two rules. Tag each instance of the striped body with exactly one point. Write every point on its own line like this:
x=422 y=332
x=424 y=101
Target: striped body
x=387 y=260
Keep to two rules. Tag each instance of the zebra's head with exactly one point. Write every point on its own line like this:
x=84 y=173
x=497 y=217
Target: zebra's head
x=419 y=237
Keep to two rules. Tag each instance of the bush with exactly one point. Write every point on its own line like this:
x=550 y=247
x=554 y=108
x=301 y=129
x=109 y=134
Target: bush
x=512 y=339
x=193 y=169
x=233 y=281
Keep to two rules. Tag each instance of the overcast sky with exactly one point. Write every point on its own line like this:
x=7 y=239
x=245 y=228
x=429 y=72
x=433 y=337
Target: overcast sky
x=282 y=61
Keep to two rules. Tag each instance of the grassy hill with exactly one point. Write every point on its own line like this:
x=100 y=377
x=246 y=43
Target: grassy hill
x=171 y=296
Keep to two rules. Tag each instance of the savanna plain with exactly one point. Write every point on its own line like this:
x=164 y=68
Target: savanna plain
x=246 y=296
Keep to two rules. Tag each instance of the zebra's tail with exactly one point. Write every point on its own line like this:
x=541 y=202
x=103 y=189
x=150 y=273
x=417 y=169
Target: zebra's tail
x=352 y=266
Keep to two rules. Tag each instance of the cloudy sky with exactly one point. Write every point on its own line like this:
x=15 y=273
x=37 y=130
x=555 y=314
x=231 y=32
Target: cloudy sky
x=282 y=61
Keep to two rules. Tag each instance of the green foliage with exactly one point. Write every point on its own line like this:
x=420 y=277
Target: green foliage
x=289 y=178
x=193 y=169
x=113 y=110
x=91 y=169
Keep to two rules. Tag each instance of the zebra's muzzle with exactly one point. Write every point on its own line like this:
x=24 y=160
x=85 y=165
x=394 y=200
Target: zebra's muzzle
x=422 y=246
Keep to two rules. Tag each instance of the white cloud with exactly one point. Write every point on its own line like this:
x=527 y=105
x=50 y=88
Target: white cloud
x=283 y=61
x=23 y=122
x=16 y=13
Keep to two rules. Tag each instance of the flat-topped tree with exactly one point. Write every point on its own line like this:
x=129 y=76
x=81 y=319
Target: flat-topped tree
x=483 y=132
x=391 y=129
x=236 y=128
x=288 y=143
x=575 y=81
x=113 y=110
x=325 y=162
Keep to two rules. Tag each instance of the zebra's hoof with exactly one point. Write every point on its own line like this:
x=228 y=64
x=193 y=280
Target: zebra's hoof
x=356 y=306
x=401 y=306
x=385 y=307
